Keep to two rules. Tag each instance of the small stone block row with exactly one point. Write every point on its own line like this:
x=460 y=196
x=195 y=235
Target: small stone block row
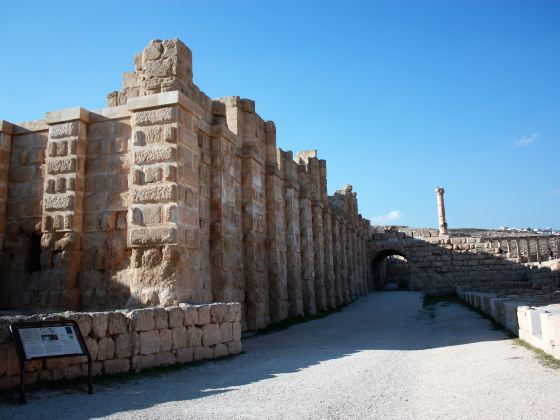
x=131 y=340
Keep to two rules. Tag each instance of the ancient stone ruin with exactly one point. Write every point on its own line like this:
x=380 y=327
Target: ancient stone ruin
x=167 y=196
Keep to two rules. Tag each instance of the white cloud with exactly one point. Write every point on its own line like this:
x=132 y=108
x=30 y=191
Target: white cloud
x=526 y=140
x=386 y=218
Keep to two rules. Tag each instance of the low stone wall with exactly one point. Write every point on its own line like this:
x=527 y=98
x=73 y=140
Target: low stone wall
x=125 y=341
x=528 y=314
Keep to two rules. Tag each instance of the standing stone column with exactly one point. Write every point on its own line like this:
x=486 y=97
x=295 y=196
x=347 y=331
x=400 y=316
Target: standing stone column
x=329 y=259
x=63 y=205
x=5 y=148
x=441 y=212
x=344 y=265
x=518 y=250
x=538 y=250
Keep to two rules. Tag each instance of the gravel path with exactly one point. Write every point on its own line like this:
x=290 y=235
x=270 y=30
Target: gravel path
x=382 y=357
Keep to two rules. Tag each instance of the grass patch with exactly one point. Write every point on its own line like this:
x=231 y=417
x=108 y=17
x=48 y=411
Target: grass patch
x=544 y=359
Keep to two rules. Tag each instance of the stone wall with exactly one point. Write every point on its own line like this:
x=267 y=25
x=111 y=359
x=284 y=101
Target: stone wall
x=167 y=196
x=439 y=266
x=129 y=341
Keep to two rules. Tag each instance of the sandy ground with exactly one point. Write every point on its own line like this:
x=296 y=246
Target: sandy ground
x=384 y=356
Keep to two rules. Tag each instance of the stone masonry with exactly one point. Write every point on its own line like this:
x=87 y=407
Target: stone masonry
x=166 y=197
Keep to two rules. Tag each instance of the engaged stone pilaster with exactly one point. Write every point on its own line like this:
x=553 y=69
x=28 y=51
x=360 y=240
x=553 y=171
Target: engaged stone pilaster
x=292 y=230
x=5 y=148
x=276 y=243
x=63 y=198
x=225 y=215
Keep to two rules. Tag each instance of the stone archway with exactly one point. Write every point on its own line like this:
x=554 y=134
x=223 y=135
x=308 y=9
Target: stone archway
x=391 y=266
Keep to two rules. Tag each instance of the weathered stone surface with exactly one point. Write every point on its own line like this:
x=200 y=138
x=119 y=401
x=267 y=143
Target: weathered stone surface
x=176 y=316
x=179 y=337
x=236 y=331
x=185 y=355
x=211 y=335
x=220 y=350
x=234 y=347
x=141 y=362
x=226 y=332
x=105 y=348
x=194 y=336
x=191 y=314
x=217 y=312
x=166 y=340
x=149 y=342
x=116 y=366
x=161 y=318
x=165 y=359
x=202 y=353
x=203 y=315
x=142 y=320
x=99 y=324
x=117 y=323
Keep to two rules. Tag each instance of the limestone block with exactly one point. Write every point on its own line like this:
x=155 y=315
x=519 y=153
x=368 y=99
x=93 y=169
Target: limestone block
x=217 y=312
x=63 y=165
x=154 y=154
x=156 y=193
x=210 y=334
x=99 y=324
x=179 y=337
x=191 y=314
x=161 y=318
x=194 y=336
x=220 y=350
x=165 y=359
x=234 y=347
x=7 y=352
x=141 y=362
x=233 y=312
x=116 y=366
x=91 y=344
x=72 y=372
x=105 y=348
x=176 y=316
x=60 y=363
x=142 y=320
x=84 y=322
x=152 y=236
x=236 y=331
x=58 y=202
x=9 y=382
x=68 y=129
x=117 y=323
x=202 y=353
x=166 y=339
x=203 y=314
x=149 y=342
x=185 y=354
x=226 y=332
x=124 y=344
x=155 y=116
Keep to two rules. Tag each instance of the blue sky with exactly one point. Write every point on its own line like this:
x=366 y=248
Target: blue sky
x=398 y=96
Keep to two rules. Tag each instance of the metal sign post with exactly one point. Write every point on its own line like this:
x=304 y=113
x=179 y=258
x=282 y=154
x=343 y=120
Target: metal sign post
x=46 y=340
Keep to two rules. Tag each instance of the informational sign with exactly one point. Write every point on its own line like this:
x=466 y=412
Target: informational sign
x=45 y=340
x=50 y=341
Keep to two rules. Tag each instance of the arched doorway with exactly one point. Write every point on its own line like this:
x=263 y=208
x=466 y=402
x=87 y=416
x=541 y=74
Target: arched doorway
x=391 y=271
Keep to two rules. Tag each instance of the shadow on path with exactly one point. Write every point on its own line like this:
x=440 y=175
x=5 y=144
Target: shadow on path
x=383 y=321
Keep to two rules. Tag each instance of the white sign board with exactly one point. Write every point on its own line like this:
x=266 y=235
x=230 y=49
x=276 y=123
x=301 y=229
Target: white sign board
x=49 y=341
